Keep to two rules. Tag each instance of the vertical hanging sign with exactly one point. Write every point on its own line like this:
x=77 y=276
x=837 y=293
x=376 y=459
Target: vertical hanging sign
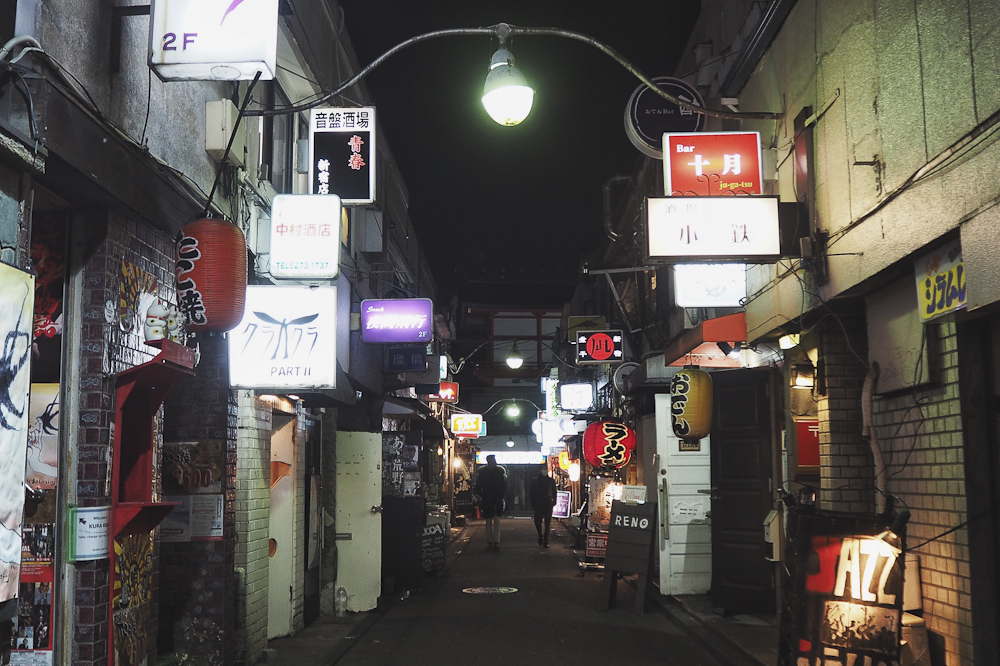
x=342 y=153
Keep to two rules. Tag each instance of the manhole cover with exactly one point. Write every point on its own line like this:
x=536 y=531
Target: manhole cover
x=490 y=590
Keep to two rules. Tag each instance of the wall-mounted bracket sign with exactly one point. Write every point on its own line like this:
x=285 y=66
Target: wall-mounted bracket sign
x=342 y=153
x=447 y=392
x=706 y=164
x=305 y=236
x=213 y=40
x=599 y=347
x=397 y=320
x=685 y=229
x=467 y=425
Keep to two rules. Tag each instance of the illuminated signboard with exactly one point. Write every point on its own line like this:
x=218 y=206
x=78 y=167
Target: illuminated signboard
x=710 y=285
x=707 y=228
x=511 y=457
x=305 y=236
x=201 y=40
x=467 y=425
x=342 y=153
x=447 y=392
x=941 y=282
x=576 y=397
x=397 y=320
x=287 y=339
x=708 y=164
x=599 y=347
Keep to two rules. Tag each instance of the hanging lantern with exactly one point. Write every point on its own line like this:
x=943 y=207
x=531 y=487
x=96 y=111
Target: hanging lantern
x=691 y=403
x=211 y=271
x=608 y=444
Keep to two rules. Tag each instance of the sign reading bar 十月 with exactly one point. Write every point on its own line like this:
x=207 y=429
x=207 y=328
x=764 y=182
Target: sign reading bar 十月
x=397 y=320
x=713 y=228
x=342 y=153
x=305 y=236
x=707 y=164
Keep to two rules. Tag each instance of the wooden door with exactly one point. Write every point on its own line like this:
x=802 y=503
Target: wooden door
x=742 y=579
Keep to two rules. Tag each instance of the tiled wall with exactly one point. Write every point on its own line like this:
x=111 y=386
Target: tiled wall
x=921 y=437
x=253 y=474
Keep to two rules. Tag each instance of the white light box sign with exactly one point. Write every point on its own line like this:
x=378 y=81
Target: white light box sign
x=213 y=40
x=305 y=236
x=287 y=339
x=710 y=285
x=744 y=227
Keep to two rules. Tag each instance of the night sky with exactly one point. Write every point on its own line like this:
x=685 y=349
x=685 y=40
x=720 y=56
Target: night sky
x=507 y=215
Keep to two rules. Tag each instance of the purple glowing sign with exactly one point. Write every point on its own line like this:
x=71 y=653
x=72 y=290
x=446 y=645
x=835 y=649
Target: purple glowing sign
x=398 y=320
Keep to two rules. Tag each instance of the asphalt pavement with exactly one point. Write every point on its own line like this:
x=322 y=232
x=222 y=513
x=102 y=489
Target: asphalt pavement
x=524 y=603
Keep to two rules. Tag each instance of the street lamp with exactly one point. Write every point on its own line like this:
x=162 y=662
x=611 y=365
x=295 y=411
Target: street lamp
x=507 y=96
x=514 y=358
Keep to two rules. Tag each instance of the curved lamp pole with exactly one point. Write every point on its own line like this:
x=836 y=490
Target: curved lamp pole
x=502 y=70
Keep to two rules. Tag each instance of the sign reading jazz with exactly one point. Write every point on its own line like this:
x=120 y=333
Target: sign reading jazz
x=706 y=164
x=287 y=339
x=599 y=347
x=707 y=228
x=848 y=592
x=305 y=236
x=198 y=40
x=397 y=320
x=342 y=153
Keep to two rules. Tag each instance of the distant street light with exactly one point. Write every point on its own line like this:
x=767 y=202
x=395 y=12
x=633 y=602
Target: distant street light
x=514 y=358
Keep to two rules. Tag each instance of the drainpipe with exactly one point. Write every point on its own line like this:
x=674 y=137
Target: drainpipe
x=608 y=226
x=868 y=430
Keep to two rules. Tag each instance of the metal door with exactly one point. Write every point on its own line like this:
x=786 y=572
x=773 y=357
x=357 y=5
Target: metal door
x=359 y=518
x=281 y=522
x=742 y=579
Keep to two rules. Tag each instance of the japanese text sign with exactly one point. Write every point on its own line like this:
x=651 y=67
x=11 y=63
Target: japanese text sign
x=397 y=320
x=203 y=40
x=287 y=339
x=941 y=282
x=713 y=227
x=466 y=425
x=342 y=153
x=707 y=164
x=305 y=236
x=599 y=347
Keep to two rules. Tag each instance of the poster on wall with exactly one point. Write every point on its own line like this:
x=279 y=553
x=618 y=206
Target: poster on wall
x=197 y=518
x=603 y=492
x=17 y=289
x=193 y=468
x=132 y=591
x=48 y=260
x=401 y=462
x=847 y=573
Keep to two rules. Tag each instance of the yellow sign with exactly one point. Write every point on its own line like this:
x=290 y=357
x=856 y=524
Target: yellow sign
x=467 y=425
x=941 y=282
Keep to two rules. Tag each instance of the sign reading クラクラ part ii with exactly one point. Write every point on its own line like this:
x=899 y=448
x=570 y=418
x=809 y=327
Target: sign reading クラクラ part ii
x=848 y=591
x=342 y=153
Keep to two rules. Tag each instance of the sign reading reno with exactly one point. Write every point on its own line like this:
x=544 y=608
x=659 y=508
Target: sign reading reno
x=399 y=320
x=204 y=40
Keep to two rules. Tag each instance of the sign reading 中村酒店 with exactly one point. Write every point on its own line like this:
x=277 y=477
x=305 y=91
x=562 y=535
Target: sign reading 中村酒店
x=941 y=282
x=342 y=153
x=305 y=236
x=211 y=40
x=684 y=228
x=706 y=164
x=397 y=320
x=287 y=339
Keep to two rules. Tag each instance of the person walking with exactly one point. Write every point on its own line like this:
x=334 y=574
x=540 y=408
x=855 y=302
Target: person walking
x=542 y=494
x=491 y=489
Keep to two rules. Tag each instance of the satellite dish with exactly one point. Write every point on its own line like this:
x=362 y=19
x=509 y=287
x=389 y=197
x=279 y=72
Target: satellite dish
x=621 y=372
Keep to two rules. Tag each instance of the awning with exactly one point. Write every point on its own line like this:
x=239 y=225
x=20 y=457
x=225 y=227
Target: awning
x=411 y=408
x=344 y=395
x=699 y=345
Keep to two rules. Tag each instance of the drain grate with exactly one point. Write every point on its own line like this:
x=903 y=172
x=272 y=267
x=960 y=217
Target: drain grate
x=490 y=590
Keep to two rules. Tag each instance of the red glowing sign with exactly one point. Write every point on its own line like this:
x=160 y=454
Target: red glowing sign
x=701 y=164
x=447 y=392
x=599 y=347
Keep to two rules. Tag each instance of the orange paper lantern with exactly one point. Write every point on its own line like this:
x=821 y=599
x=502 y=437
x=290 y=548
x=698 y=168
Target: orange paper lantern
x=691 y=403
x=608 y=444
x=211 y=271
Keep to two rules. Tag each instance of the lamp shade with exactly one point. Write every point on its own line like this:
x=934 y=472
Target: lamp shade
x=507 y=97
x=211 y=269
x=691 y=403
x=608 y=444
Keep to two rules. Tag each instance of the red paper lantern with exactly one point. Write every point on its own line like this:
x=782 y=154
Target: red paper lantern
x=608 y=444
x=691 y=403
x=211 y=271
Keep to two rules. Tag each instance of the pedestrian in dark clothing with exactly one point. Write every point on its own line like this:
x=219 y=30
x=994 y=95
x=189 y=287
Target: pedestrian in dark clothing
x=491 y=489
x=542 y=494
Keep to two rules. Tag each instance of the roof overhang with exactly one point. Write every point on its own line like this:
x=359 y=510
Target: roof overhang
x=699 y=345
